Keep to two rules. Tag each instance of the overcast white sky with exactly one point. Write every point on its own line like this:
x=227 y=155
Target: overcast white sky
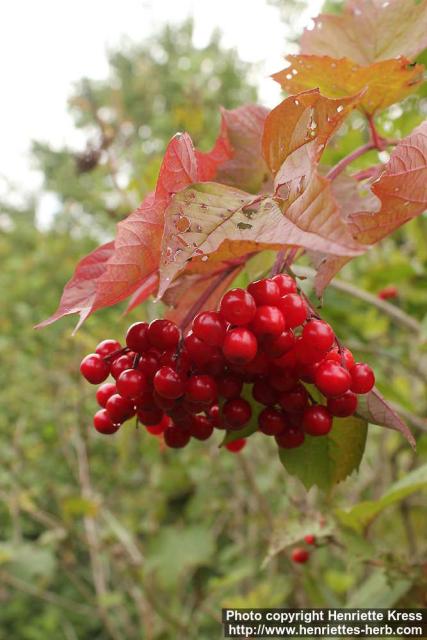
x=47 y=45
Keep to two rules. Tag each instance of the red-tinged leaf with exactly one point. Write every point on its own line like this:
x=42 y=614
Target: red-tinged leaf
x=370 y=30
x=386 y=82
x=243 y=128
x=149 y=286
x=79 y=293
x=375 y=409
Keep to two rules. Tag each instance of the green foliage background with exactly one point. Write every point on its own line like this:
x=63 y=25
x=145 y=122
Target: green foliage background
x=119 y=538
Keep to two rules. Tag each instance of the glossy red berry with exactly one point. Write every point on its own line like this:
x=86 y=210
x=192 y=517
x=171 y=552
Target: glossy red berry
x=201 y=388
x=146 y=400
x=149 y=363
x=230 y=386
x=317 y=421
x=168 y=383
x=119 y=409
x=163 y=334
x=236 y=412
x=240 y=346
x=237 y=307
x=282 y=379
x=122 y=363
x=264 y=292
x=276 y=346
x=362 y=378
x=291 y=438
x=131 y=383
x=285 y=283
x=103 y=423
x=332 y=379
x=263 y=392
x=199 y=352
x=271 y=422
x=159 y=428
x=136 y=337
x=300 y=555
x=343 y=406
x=268 y=320
x=310 y=538
x=343 y=357
x=107 y=347
x=236 y=445
x=306 y=355
x=150 y=416
x=214 y=415
x=294 y=400
x=200 y=427
x=210 y=327
x=294 y=310
x=318 y=334
x=176 y=437
x=104 y=392
x=94 y=368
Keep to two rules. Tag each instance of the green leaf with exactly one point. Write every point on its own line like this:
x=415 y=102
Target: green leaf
x=287 y=533
x=359 y=516
x=325 y=461
x=378 y=592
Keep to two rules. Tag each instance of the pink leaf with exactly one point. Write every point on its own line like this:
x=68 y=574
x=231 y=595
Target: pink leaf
x=374 y=408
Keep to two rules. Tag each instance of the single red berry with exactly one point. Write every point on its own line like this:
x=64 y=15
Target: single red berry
x=149 y=363
x=300 y=555
x=237 y=307
x=291 y=438
x=287 y=361
x=200 y=427
x=159 y=401
x=271 y=422
x=310 y=538
x=236 y=412
x=318 y=334
x=276 y=346
x=176 y=437
x=317 y=421
x=168 y=383
x=282 y=379
x=230 y=386
x=136 y=337
x=107 y=347
x=240 y=346
x=362 y=378
x=119 y=409
x=216 y=365
x=150 y=417
x=103 y=423
x=122 y=363
x=294 y=400
x=285 y=283
x=263 y=392
x=199 y=352
x=345 y=358
x=131 y=383
x=294 y=309
x=94 y=368
x=201 y=388
x=236 y=445
x=306 y=354
x=343 y=406
x=210 y=327
x=146 y=400
x=332 y=379
x=268 y=320
x=159 y=428
x=214 y=416
x=258 y=366
x=104 y=392
x=264 y=292
x=163 y=334
x=388 y=293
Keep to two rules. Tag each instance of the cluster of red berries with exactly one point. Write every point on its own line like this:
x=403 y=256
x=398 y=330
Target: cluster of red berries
x=264 y=341
x=300 y=555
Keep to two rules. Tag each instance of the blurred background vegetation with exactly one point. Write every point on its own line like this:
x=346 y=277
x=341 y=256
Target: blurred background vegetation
x=119 y=538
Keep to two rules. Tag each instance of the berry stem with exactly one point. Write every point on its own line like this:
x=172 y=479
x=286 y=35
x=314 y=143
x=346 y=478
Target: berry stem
x=116 y=354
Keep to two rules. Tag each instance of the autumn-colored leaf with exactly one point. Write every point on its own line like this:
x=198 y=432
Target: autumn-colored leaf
x=386 y=82
x=375 y=409
x=370 y=30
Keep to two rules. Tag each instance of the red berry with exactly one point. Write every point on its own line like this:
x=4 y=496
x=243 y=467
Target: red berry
x=263 y=392
x=240 y=346
x=150 y=417
x=200 y=427
x=237 y=307
x=388 y=293
x=258 y=366
x=268 y=320
x=310 y=538
x=210 y=327
x=121 y=363
x=214 y=415
x=230 y=386
x=107 y=347
x=104 y=392
x=146 y=400
x=282 y=379
x=287 y=361
x=176 y=437
x=236 y=445
x=271 y=422
x=216 y=364
x=276 y=346
x=164 y=403
x=168 y=383
x=294 y=309
x=103 y=422
x=285 y=283
x=362 y=378
x=332 y=379
x=131 y=383
x=119 y=409
x=344 y=358
x=343 y=406
x=291 y=438
x=159 y=428
x=317 y=421
x=149 y=363
x=300 y=555
x=201 y=388
x=306 y=354
x=199 y=352
x=163 y=334
x=237 y=412
x=318 y=334
x=94 y=368
x=264 y=291
x=136 y=337
x=294 y=400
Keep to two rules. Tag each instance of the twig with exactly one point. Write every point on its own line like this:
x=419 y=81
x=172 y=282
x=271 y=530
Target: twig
x=342 y=164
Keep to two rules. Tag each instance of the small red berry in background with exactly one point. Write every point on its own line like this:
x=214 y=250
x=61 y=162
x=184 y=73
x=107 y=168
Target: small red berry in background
x=310 y=538
x=388 y=293
x=300 y=555
x=236 y=445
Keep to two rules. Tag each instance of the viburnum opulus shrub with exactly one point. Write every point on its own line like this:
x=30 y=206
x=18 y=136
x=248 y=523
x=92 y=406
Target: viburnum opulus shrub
x=262 y=359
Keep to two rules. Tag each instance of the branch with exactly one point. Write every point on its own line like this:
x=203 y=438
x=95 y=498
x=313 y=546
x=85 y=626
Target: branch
x=342 y=164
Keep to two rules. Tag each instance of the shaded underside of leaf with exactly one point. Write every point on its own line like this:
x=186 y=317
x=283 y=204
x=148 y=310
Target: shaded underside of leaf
x=374 y=408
